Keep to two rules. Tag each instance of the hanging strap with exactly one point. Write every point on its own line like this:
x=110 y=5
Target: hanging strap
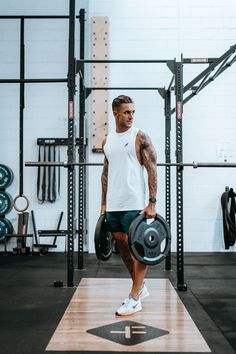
x=228 y=205
x=44 y=174
x=59 y=173
x=54 y=181
x=48 y=177
x=39 y=175
x=52 y=196
x=48 y=195
x=51 y=178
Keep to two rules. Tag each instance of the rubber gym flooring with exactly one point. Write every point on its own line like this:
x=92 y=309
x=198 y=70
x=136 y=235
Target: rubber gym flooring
x=31 y=307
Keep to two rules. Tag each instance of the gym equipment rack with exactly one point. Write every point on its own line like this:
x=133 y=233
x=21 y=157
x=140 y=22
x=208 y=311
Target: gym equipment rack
x=77 y=66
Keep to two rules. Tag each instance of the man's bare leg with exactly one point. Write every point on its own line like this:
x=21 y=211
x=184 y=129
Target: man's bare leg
x=123 y=248
x=136 y=269
x=140 y=271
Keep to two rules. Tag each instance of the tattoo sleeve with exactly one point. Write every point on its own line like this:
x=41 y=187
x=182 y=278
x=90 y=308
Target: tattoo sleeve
x=104 y=181
x=149 y=159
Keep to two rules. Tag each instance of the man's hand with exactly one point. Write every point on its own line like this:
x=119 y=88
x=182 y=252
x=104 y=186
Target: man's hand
x=150 y=211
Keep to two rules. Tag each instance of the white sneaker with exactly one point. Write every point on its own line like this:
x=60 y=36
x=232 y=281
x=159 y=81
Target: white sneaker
x=143 y=292
x=129 y=306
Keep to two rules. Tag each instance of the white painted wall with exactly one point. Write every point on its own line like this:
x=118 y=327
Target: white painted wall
x=161 y=29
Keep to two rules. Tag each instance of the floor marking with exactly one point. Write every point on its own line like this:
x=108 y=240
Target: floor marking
x=128 y=331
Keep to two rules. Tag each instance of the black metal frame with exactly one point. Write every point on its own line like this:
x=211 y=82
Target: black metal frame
x=47 y=233
x=177 y=69
x=22 y=106
x=84 y=94
x=54 y=141
x=71 y=153
x=77 y=66
x=71 y=141
x=82 y=150
x=205 y=78
x=166 y=95
x=179 y=175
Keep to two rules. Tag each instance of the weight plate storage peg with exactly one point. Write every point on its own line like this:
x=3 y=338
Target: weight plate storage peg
x=103 y=239
x=149 y=243
x=6 y=203
x=5 y=228
x=6 y=176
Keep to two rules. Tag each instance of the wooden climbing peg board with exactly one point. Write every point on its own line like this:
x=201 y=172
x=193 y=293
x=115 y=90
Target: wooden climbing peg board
x=99 y=79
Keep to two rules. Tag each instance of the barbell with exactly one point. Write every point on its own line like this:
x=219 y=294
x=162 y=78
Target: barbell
x=193 y=164
x=149 y=243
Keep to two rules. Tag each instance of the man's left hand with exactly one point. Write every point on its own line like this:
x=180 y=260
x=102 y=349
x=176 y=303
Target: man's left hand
x=150 y=211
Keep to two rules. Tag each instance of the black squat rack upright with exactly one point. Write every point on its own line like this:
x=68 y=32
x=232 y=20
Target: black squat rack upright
x=72 y=141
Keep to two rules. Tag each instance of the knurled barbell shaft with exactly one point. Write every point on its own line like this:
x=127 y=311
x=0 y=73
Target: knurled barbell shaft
x=184 y=164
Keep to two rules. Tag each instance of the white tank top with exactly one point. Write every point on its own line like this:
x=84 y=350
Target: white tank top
x=126 y=183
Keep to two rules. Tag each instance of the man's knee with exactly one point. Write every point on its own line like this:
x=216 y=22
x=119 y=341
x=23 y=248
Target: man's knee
x=121 y=237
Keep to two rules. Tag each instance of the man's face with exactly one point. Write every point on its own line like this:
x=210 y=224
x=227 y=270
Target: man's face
x=124 y=116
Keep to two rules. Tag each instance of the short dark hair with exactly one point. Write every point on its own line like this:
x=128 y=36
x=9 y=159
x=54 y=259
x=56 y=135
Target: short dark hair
x=117 y=102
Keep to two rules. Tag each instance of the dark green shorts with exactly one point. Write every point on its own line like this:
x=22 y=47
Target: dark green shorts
x=119 y=221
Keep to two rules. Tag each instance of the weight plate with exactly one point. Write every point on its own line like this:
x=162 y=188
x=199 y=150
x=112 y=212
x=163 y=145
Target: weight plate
x=6 y=203
x=5 y=228
x=6 y=176
x=103 y=239
x=149 y=243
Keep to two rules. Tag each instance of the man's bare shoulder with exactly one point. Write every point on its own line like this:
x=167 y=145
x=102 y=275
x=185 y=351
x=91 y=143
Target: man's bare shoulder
x=143 y=139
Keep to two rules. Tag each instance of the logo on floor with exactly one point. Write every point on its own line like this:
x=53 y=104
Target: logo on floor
x=127 y=332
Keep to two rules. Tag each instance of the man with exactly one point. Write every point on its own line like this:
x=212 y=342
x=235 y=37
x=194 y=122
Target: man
x=127 y=151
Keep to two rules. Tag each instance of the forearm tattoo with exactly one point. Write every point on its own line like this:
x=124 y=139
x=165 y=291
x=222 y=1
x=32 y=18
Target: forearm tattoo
x=104 y=181
x=149 y=160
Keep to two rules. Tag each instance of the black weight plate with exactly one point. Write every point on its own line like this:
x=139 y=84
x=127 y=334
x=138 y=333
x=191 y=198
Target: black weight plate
x=145 y=240
x=5 y=228
x=6 y=203
x=6 y=176
x=103 y=240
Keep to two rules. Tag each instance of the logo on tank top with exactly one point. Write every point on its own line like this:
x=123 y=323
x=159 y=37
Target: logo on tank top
x=126 y=144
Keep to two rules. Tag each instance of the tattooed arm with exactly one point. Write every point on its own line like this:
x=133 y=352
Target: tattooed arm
x=104 y=182
x=149 y=159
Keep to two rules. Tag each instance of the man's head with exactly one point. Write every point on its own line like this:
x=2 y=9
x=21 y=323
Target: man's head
x=118 y=101
x=123 y=110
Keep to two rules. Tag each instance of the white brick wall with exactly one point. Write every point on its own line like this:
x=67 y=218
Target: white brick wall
x=161 y=29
